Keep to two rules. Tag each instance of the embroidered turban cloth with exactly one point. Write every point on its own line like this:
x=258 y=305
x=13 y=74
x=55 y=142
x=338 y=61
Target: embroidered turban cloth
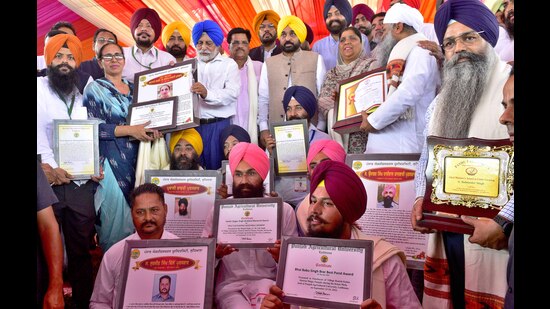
x=471 y=13
x=152 y=16
x=364 y=9
x=295 y=23
x=343 y=6
x=236 y=131
x=211 y=28
x=270 y=15
x=402 y=13
x=251 y=154
x=55 y=43
x=190 y=135
x=344 y=188
x=182 y=29
x=330 y=148
x=304 y=96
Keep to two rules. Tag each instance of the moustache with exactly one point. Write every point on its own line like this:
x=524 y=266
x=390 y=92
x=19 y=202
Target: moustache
x=148 y=222
x=471 y=57
x=316 y=217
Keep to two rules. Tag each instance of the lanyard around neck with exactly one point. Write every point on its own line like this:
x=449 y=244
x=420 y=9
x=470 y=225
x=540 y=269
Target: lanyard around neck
x=69 y=108
x=145 y=66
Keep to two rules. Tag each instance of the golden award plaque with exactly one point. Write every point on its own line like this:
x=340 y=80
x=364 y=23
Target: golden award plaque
x=472 y=177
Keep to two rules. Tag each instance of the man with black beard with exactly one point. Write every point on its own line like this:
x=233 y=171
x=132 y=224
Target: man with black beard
x=338 y=199
x=245 y=275
x=293 y=67
x=338 y=15
x=185 y=148
x=183 y=203
x=468 y=105
x=265 y=25
x=505 y=44
x=388 y=194
x=59 y=98
x=146 y=27
x=175 y=38
x=362 y=16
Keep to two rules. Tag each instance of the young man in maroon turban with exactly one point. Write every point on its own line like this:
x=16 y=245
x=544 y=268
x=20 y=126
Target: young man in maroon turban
x=338 y=199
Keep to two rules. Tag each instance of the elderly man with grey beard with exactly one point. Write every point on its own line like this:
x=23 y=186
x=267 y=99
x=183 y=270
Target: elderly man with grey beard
x=468 y=105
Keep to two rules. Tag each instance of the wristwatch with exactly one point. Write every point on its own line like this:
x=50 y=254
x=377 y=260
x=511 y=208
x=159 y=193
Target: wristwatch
x=505 y=224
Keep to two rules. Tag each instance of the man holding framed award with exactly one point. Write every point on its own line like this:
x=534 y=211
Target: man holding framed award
x=338 y=199
x=470 y=95
x=244 y=274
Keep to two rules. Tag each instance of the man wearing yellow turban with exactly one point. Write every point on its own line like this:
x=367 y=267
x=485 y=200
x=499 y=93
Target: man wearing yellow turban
x=293 y=67
x=265 y=26
x=58 y=98
x=185 y=148
x=175 y=38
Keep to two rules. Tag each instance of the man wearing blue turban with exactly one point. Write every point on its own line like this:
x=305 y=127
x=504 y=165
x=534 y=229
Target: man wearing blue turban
x=462 y=273
x=218 y=87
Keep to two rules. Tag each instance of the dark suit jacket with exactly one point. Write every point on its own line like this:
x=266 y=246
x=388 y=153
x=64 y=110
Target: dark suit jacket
x=257 y=53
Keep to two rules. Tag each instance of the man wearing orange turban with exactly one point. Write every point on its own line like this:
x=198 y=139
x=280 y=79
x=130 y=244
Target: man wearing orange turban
x=175 y=38
x=265 y=26
x=58 y=98
x=245 y=275
x=146 y=26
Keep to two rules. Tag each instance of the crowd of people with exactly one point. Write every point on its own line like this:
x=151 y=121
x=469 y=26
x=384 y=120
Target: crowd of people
x=452 y=79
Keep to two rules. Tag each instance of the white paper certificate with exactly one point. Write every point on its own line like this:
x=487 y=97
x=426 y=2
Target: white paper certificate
x=370 y=93
x=291 y=147
x=161 y=114
x=76 y=148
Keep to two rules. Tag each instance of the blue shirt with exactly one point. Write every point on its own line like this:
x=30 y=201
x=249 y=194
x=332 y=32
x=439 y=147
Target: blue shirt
x=158 y=298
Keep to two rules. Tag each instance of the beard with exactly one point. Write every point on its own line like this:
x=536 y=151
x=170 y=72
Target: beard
x=388 y=202
x=290 y=47
x=62 y=82
x=177 y=52
x=184 y=163
x=144 y=42
x=206 y=56
x=463 y=84
x=182 y=212
x=366 y=31
x=297 y=117
x=268 y=40
x=383 y=49
x=323 y=233
x=336 y=26
x=252 y=191
x=509 y=25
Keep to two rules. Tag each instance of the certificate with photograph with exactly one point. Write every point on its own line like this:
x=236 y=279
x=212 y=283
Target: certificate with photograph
x=161 y=113
x=76 y=147
x=325 y=272
x=389 y=182
x=363 y=92
x=248 y=222
x=167 y=273
x=189 y=195
x=227 y=177
x=171 y=81
x=472 y=177
x=291 y=147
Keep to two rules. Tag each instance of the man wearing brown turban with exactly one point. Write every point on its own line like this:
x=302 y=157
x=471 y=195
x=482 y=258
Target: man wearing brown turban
x=58 y=98
x=338 y=199
x=146 y=28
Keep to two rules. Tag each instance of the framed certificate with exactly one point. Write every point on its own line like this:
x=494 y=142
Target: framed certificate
x=292 y=144
x=171 y=81
x=227 y=177
x=161 y=113
x=389 y=183
x=76 y=147
x=189 y=195
x=325 y=273
x=175 y=273
x=472 y=177
x=363 y=92
x=248 y=222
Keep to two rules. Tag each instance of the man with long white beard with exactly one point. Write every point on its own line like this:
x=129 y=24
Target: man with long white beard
x=218 y=88
x=396 y=126
x=469 y=105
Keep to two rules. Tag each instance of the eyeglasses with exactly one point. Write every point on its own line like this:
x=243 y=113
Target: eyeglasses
x=103 y=40
x=263 y=27
x=468 y=39
x=235 y=43
x=109 y=57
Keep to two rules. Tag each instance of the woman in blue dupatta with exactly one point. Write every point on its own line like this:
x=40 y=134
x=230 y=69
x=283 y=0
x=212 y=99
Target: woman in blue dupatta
x=108 y=99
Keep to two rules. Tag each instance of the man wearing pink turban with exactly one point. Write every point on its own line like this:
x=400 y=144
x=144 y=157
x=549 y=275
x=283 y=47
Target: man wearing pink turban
x=338 y=200
x=58 y=98
x=245 y=275
x=146 y=28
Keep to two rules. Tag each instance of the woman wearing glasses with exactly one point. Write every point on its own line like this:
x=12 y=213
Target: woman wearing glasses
x=108 y=99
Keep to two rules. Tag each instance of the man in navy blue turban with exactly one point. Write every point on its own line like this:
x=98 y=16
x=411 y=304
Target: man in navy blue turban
x=470 y=96
x=218 y=87
x=231 y=136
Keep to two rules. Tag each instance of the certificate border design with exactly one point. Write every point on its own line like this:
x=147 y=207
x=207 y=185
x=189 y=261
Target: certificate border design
x=368 y=245
x=271 y=179
x=164 y=129
x=276 y=156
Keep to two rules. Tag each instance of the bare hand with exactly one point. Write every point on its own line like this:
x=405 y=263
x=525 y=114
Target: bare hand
x=199 y=89
x=62 y=176
x=54 y=299
x=50 y=173
x=222 y=191
x=275 y=250
x=435 y=50
x=273 y=299
x=273 y=194
x=487 y=233
x=223 y=250
x=139 y=132
x=270 y=144
x=416 y=215
x=263 y=135
x=365 y=124
x=370 y=304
